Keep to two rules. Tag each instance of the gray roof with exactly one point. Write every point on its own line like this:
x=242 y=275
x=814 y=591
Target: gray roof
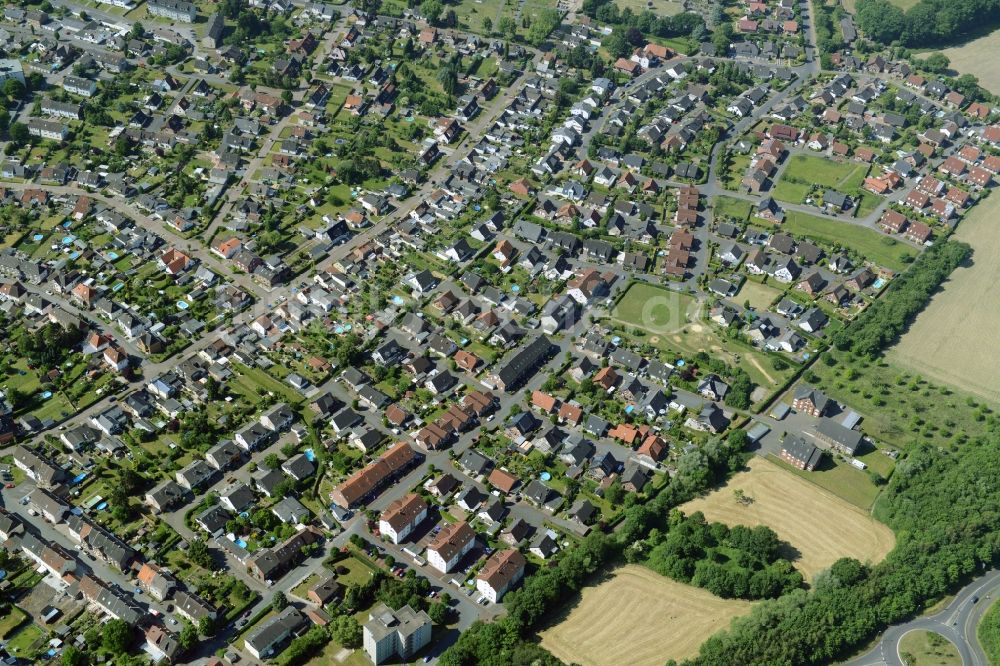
x=843 y=437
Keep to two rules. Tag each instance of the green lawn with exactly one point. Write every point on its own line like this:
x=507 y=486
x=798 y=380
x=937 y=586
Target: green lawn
x=759 y=295
x=825 y=172
x=358 y=571
x=806 y=171
x=251 y=379
x=989 y=633
x=654 y=308
x=927 y=648
x=873 y=245
x=21 y=644
x=732 y=208
x=846 y=482
x=11 y=621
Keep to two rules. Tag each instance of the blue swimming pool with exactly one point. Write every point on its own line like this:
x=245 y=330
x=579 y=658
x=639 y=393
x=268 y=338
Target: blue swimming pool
x=310 y=455
x=545 y=476
x=46 y=395
x=38 y=237
x=102 y=506
x=240 y=542
x=182 y=305
x=78 y=478
x=878 y=283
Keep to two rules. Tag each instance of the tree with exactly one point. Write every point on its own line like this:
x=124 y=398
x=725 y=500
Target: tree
x=935 y=63
x=880 y=20
x=272 y=461
x=279 y=601
x=487 y=25
x=19 y=133
x=448 y=77
x=346 y=631
x=206 y=626
x=116 y=637
x=506 y=27
x=14 y=89
x=431 y=9
x=615 y=493
x=368 y=6
x=617 y=44
x=439 y=614
x=199 y=554
x=73 y=656
x=137 y=32
x=188 y=637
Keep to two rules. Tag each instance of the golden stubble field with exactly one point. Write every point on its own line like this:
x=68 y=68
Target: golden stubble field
x=640 y=618
x=955 y=339
x=819 y=525
x=979 y=57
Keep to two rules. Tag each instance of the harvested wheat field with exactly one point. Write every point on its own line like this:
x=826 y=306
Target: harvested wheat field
x=819 y=525
x=954 y=340
x=978 y=57
x=640 y=618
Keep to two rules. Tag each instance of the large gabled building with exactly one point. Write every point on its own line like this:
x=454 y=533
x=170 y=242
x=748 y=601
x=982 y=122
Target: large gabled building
x=500 y=573
x=175 y=10
x=524 y=364
x=402 y=516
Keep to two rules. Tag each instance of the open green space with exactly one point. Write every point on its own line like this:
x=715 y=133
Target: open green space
x=805 y=173
x=731 y=208
x=989 y=633
x=927 y=648
x=848 y=483
x=759 y=296
x=24 y=644
x=11 y=621
x=677 y=324
x=655 y=309
x=873 y=245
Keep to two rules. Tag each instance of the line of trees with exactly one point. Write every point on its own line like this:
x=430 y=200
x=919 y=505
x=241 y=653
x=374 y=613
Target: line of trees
x=888 y=317
x=927 y=23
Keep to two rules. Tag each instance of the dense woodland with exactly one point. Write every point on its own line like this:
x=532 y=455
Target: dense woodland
x=738 y=562
x=888 y=317
x=926 y=24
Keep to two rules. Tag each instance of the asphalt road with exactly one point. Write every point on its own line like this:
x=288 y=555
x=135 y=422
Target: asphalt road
x=957 y=622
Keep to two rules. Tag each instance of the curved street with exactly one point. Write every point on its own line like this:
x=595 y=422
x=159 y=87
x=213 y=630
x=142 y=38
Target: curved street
x=958 y=622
